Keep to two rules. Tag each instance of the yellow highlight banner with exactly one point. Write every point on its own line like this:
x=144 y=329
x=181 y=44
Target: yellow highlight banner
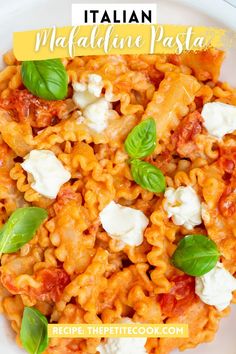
x=116 y=330
x=113 y=39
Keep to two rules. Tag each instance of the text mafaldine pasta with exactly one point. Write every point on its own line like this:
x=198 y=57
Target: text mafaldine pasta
x=113 y=39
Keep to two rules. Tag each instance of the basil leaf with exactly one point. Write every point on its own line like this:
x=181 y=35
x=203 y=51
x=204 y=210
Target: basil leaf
x=195 y=255
x=20 y=228
x=45 y=78
x=148 y=176
x=141 y=141
x=34 y=331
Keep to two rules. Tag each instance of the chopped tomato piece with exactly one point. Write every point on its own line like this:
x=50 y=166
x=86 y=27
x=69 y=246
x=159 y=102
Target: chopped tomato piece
x=183 y=285
x=227 y=159
x=54 y=280
x=154 y=75
x=180 y=296
x=64 y=196
x=175 y=59
x=227 y=202
x=227 y=162
x=24 y=105
x=183 y=138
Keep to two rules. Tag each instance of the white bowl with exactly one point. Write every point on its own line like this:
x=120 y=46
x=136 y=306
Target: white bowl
x=32 y=14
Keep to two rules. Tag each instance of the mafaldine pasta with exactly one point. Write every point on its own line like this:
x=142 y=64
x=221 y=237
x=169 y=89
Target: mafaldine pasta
x=118 y=196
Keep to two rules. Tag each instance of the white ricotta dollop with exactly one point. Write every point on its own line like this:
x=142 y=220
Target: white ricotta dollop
x=219 y=118
x=48 y=172
x=96 y=114
x=184 y=206
x=123 y=345
x=215 y=287
x=95 y=84
x=123 y=223
x=81 y=96
x=95 y=109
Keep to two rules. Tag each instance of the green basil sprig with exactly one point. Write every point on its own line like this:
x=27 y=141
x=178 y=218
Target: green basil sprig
x=34 y=331
x=20 y=228
x=45 y=78
x=195 y=255
x=148 y=176
x=141 y=141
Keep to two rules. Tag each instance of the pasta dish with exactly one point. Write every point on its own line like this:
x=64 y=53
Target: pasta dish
x=118 y=198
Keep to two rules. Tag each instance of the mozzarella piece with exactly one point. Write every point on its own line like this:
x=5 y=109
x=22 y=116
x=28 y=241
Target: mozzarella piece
x=123 y=223
x=184 y=206
x=123 y=345
x=215 y=287
x=219 y=118
x=96 y=110
x=47 y=171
